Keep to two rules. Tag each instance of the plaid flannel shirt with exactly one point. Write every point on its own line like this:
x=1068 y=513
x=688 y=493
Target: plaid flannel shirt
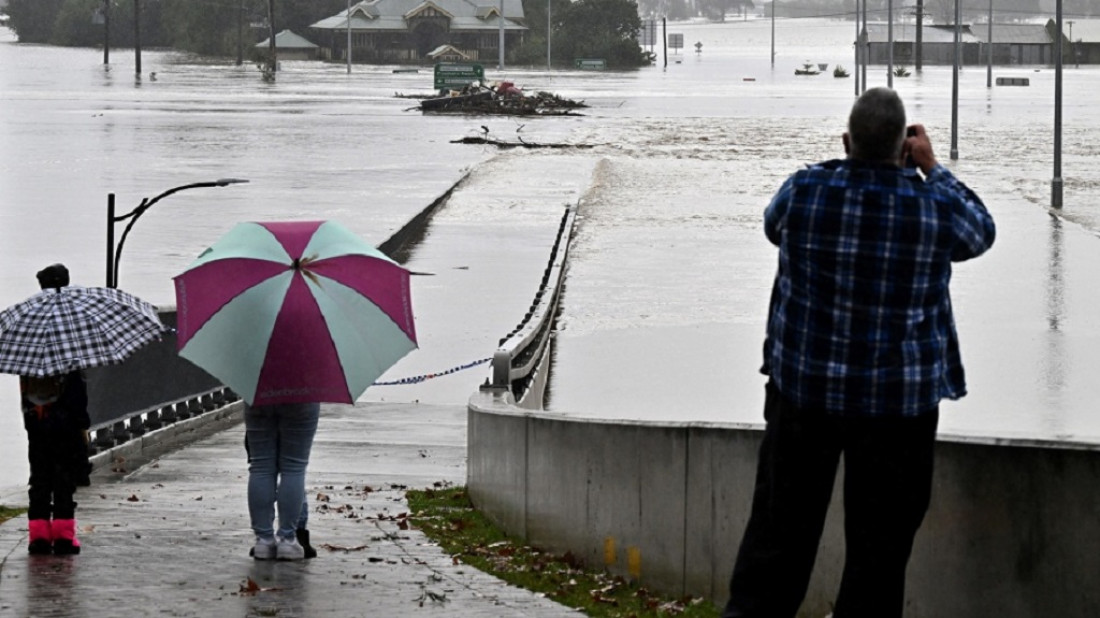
x=860 y=319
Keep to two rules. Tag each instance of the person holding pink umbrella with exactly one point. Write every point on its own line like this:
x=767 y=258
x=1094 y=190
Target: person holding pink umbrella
x=290 y=314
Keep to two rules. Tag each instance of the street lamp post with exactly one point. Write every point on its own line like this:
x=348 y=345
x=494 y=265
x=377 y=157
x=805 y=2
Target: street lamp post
x=955 y=83
x=106 y=32
x=501 y=66
x=240 y=35
x=548 y=9
x=890 y=38
x=137 y=38
x=114 y=253
x=1056 y=183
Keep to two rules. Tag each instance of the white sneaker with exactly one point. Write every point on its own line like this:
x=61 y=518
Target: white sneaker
x=289 y=549
x=264 y=549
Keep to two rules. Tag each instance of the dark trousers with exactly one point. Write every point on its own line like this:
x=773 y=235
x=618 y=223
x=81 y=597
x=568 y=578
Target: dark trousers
x=56 y=458
x=887 y=486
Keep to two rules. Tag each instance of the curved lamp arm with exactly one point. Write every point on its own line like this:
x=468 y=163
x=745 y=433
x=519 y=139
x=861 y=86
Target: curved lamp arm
x=147 y=203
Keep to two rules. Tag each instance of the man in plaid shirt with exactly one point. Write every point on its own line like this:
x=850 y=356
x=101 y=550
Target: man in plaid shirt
x=860 y=349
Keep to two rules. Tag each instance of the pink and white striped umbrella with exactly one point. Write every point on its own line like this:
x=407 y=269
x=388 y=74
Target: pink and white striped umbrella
x=290 y=312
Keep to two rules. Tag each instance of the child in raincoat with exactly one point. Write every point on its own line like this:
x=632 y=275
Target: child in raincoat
x=55 y=415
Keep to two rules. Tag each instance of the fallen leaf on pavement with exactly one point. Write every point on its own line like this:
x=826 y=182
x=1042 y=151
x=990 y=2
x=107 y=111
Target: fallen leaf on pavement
x=250 y=588
x=331 y=547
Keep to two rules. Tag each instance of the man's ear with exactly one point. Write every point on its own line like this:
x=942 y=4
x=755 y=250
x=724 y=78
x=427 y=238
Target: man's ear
x=847 y=146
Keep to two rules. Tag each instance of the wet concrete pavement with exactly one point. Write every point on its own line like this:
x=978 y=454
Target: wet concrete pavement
x=171 y=538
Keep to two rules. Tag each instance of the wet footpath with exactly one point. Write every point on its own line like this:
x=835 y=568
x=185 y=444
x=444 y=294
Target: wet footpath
x=170 y=536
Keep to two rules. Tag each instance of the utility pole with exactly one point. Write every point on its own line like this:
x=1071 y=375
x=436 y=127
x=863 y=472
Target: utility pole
x=548 y=8
x=1056 y=183
x=1072 y=45
x=664 y=39
x=955 y=82
x=272 y=60
x=106 y=32
x=349 y=37
x=137 y=38
x=240 y=35
x=866 y=49
x=890 y=38
x=989 y=42
x=856 y=80
x=919 y=59
x=501 y=65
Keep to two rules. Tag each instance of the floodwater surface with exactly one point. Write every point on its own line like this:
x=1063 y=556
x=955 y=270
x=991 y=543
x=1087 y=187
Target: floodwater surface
x=662 y=317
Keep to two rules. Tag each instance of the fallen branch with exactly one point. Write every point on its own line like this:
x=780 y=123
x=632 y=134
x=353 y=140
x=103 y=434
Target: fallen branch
x=485 y=141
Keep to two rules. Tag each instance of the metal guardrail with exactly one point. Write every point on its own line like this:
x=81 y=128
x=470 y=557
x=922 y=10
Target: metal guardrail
x=519 y=357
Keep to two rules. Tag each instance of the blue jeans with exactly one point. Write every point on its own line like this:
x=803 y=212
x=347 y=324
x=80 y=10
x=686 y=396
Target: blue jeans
x=279 y=440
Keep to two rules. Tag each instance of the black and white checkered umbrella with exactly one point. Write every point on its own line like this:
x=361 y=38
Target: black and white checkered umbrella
x=65 y=329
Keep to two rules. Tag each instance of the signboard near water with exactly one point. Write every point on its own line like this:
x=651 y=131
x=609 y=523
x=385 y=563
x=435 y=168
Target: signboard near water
x=676 y=41
x=456 y=75
x=592 y=64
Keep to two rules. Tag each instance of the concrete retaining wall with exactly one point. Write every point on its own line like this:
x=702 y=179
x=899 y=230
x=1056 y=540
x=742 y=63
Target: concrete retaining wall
x=1013 y=528
x=119 y=391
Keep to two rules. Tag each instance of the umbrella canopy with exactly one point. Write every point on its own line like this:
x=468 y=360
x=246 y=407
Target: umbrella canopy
x=294 y=311
x=65 y=329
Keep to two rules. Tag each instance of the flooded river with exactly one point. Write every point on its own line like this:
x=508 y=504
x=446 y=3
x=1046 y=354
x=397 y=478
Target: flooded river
x=663 y=314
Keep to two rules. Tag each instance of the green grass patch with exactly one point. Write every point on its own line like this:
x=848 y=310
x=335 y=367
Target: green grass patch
x=446 y=516
x=7 y=512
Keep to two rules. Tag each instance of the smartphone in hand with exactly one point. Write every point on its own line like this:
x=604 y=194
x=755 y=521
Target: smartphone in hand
x=909 y=162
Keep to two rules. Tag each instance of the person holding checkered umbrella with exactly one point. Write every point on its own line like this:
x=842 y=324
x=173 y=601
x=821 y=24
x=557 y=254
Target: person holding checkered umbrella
x=48 y=340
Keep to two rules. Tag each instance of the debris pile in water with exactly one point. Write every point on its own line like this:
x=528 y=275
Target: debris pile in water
x=501 y=99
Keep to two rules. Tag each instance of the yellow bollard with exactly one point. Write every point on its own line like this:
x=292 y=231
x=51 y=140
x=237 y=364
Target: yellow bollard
x=634 y=562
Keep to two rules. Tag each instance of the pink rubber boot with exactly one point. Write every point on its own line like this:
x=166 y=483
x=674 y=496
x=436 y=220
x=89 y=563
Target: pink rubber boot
x=41 y=541
x=64 y=537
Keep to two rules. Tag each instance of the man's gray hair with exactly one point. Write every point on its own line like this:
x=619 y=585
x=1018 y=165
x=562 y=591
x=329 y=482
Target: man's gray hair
x=876 y=126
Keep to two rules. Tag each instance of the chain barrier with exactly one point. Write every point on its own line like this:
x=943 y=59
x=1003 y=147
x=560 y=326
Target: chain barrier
x=428 y=376
x=423 y=377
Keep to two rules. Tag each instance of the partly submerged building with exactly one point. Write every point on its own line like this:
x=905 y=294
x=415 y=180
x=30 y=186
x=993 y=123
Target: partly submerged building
x=937 y=45
x=1010 y=44
x=408 y=31
x=288 y=46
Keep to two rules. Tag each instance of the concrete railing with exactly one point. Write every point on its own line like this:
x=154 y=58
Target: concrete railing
x=136 y=397
x=1012 y=531
x=520 y=361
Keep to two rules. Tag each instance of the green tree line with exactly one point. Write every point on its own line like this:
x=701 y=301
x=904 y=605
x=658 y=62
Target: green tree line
x=606 y=29
x=207 y=27
x=580 y=28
